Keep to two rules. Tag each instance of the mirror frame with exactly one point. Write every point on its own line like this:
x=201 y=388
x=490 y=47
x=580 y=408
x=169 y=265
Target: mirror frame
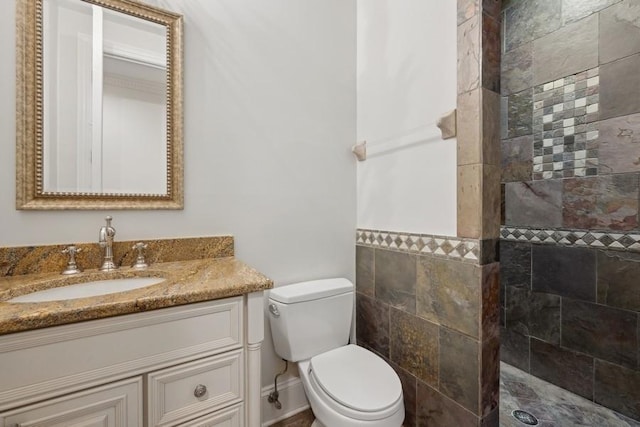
x=29 y=115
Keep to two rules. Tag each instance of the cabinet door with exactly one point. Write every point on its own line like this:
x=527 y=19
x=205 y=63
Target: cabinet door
x=114 y=405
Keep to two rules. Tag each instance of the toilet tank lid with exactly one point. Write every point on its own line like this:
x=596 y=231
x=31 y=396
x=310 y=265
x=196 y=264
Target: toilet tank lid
x=312 y=290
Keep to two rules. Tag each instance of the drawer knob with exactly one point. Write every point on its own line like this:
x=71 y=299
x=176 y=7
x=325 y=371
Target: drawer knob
x=200 y=391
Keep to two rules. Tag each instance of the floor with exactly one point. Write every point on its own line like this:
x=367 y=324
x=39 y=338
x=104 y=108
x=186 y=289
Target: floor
x=551 y=405
x=303 y=419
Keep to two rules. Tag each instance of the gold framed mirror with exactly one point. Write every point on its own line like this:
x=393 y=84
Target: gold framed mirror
x=99 y=105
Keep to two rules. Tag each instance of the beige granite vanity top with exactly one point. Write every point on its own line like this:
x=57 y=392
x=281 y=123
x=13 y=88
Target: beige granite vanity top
x=185 y=282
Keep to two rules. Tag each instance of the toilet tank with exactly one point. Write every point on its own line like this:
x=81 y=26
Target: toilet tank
x=310 y=318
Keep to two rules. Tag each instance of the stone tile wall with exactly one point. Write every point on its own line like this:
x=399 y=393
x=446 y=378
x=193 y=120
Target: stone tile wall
x=571 y=316
x=570 y=291
x=434 y=318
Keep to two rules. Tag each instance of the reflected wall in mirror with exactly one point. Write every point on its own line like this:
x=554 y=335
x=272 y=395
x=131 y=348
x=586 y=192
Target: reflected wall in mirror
x=99 y=105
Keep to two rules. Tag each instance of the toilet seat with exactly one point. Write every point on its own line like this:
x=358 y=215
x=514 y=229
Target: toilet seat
x=356 y=383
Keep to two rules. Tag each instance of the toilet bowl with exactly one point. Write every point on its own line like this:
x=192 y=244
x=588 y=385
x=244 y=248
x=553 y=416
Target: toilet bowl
x=350 y=386
x=346 y=385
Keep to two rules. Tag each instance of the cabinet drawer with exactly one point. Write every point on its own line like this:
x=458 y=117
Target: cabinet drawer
x=183 y=392
x=231 y=417
x=83 y=355
x=118 y=404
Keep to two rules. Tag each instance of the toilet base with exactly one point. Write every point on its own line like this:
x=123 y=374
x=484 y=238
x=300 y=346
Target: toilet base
x=317 y=423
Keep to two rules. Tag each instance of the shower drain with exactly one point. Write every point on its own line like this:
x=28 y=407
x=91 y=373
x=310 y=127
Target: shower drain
x=525 y=417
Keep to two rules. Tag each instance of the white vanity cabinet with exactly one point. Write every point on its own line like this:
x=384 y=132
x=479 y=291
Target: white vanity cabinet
x=113 y=405
x=191 y=365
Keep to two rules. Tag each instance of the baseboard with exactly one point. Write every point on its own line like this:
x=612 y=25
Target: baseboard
x=291 y=397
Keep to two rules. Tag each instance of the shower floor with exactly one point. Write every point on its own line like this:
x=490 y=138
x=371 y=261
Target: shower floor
x=553 y=406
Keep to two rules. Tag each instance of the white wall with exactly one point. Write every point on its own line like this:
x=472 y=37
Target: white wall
x=406 y=81
x=270 y=116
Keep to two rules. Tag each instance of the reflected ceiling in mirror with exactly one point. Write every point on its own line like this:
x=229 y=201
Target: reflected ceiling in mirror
x=99 y=105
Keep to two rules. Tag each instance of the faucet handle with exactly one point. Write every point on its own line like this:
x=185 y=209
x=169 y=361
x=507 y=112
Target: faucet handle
x=140 y=263
x=72 y=267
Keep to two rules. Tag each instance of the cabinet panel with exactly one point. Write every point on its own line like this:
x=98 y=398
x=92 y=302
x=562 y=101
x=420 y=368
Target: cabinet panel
x=231 y=417
x=114 y=405
x=121 y=347
x=186 y=391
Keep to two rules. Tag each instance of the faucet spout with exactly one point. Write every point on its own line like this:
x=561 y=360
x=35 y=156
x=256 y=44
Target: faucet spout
x=105 y=240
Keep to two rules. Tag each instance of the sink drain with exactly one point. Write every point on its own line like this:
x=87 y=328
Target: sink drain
x=525 y=417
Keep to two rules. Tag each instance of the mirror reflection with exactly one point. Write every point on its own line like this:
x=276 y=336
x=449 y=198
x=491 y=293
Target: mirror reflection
x=99 y=105
x=104 y=75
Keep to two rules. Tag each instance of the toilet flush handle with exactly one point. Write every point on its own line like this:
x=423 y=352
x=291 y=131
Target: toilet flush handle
x=274 y=310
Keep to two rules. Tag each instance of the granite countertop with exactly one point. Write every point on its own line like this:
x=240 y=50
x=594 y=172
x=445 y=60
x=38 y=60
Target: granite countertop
x=185 y=282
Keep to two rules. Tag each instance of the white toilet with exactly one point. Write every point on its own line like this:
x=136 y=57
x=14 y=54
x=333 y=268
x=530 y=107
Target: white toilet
x=346 y=385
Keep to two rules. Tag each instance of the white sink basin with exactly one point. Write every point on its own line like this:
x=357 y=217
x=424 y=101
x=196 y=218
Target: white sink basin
x=88 y=289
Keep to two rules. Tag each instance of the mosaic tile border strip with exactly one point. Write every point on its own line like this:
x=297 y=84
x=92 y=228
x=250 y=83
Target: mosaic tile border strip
x=584 y=238
x=423 y=244
x=565 y=126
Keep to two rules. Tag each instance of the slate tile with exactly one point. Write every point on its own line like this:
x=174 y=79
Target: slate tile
x=619 y=30
x=490 y=127
x=504 y=117
x=395 y=279
x=414 y=345
x=514 y=349
x=365 y=270
x=491 y=420
x=491 y=46
x=469 y=200
x=490 y=201
x=534 y=204
x=409 y=390
x=489 y=251
x=492 y=8
x=517 y=158
x=490 y=301
x=565 y=271
x=517 y=69
x=544 y=317
x=478 y=141
x=459 y=375
x=619 y=144
x=517 y=309
x=569 y=50
x=520 y=113
x=448 y=293
x=603 y=332
x=619 y=279
x=618 y=388
x=529 y=20
x=515 y=263
x=469 y=54
x=435 y=409
x=601 y=202
x=490 y=376
x=574 y=10
x=620 y=87
x=372 y=323
x=467 y=9
x=564 y=368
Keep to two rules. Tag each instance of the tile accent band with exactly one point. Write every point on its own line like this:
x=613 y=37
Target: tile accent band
x=424 y=244
x=571 y=237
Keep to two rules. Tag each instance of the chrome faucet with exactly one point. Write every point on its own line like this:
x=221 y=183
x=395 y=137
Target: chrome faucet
x=105 y=240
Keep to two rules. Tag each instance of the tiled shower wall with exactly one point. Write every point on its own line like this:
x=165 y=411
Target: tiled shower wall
x=570 y=252
x=419 y=304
